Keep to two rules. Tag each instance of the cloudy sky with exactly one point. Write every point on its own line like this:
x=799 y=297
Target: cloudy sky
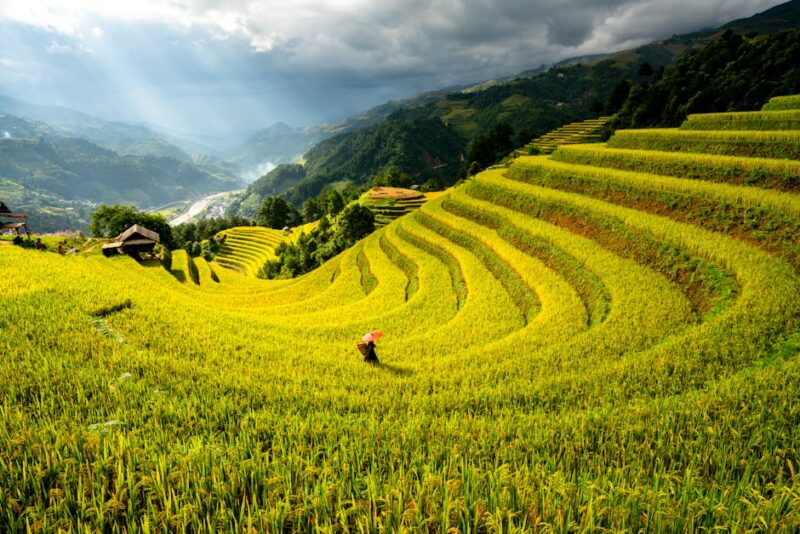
x=217 y=65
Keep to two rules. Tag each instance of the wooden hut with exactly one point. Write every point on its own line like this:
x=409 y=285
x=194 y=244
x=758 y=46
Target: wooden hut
x=133 y=241
x=13 y=222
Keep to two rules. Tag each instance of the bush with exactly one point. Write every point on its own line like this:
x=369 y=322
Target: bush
x=276 y=213
x=166 y=258
x=357 y=222
x=194 y=274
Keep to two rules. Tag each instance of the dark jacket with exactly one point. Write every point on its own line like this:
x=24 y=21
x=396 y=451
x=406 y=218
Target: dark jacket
x=371 y=357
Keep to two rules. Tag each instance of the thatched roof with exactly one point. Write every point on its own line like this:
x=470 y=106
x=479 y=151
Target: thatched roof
x=11 y=225
x=5 y=211
x=136 y=238
x=137 y=232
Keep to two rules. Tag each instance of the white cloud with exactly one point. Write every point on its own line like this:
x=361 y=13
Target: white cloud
x=221 y=64
x=77 y=47
x=396 y=33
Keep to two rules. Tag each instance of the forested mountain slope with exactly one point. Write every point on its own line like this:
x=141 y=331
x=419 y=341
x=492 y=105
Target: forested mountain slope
x=530 y=104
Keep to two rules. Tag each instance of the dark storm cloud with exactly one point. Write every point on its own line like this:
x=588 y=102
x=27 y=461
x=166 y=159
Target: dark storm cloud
x=236 y=63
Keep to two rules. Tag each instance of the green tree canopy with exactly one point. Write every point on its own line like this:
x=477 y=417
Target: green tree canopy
x=392 y=176
x=356 y=222
x=492 y=147
x=112 y=220
x=732 y=73
x=275 y=212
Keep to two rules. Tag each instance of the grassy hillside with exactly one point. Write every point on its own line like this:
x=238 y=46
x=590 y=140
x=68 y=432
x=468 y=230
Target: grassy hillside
x=604 y=339
x=588 y=131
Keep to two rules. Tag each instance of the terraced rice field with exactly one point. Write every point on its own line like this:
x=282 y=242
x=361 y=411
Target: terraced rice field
x=246 y=248
x=390 y=203
x=590 y=131
x=593 y=341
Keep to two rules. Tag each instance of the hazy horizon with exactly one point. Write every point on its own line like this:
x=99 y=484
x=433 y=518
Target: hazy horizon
x=217 y=67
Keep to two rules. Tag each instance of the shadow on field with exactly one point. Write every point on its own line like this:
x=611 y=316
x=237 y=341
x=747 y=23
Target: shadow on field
x=395 y=370
x=151 y=264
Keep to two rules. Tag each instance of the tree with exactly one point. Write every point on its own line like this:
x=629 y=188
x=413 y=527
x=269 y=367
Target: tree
x=731 y=73
x=392 y=176
x=334 y=202
x=492 y=147
x=595 y=106
x=618 y=96
x=275 y=212
x=356 y=222
x=324 y=224
x=109 y=221
x=313 y=209
x=645 y=69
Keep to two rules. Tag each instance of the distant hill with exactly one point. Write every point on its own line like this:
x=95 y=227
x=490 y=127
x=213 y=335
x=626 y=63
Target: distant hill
x=277 y=144
x=782 y=17
x=278 y=180
x=77 y=169
x=45 y=172
x=123 y=138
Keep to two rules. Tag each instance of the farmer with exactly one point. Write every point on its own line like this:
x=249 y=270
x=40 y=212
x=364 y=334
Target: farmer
x=367 y=348
x=38 y=245
x=370 y=356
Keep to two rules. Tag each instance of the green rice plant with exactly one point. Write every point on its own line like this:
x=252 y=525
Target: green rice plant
x=779 y=103
x=206 y=273
x=768 y=219
x=766 y=294
x=781 y=174
x=521 y=293
x=246 y=248
x=368 y=280
x=590 y=288
x=755 y=144
x=405 y=263
x=569 y=347
x=180 y=265
x=744 y=120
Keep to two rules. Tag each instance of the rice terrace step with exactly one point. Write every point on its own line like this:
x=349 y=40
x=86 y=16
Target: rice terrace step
x=596 y=331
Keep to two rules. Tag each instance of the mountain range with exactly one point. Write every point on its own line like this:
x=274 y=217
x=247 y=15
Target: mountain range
x=57 y=163
x=531 y=103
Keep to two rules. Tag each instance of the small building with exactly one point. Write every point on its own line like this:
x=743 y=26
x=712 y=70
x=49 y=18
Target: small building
x=13 y=222
x=133 y=241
